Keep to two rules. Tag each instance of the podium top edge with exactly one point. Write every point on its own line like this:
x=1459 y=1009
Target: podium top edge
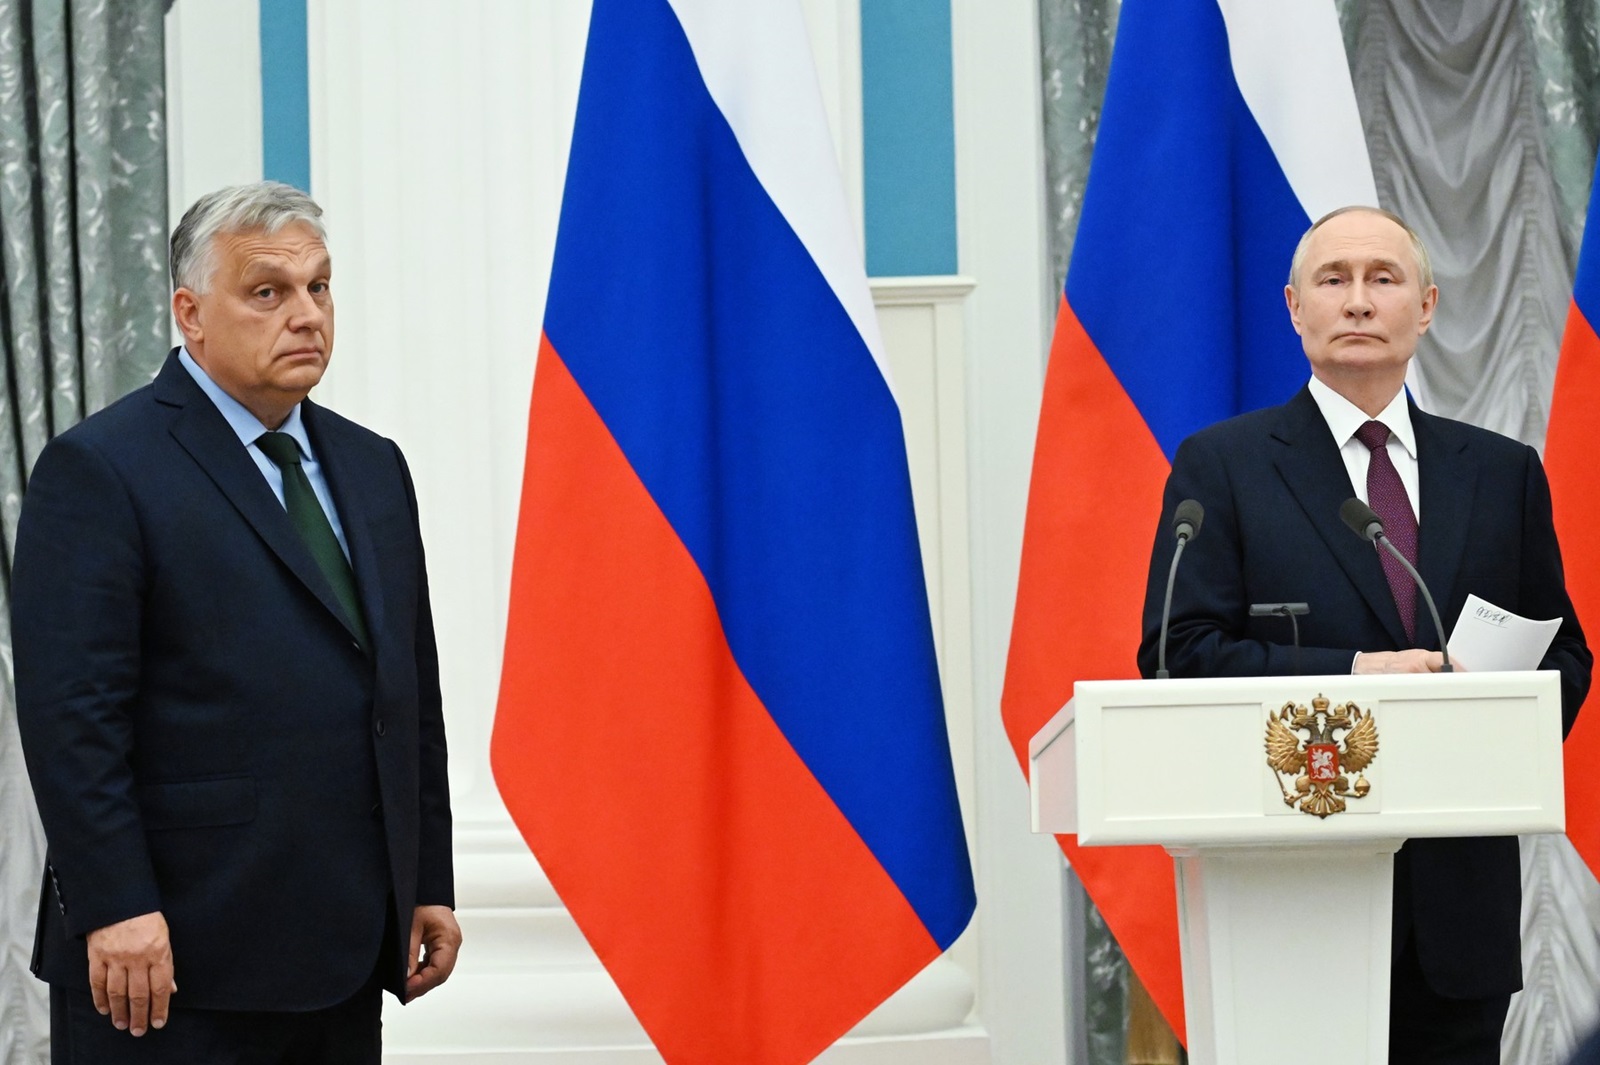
x=1530 y=681
x=1052 y=730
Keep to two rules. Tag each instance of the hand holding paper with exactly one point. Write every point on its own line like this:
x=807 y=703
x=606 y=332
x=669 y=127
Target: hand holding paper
x=1487 y=638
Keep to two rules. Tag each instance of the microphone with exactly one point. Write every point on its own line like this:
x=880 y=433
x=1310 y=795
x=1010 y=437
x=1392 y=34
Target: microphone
x=1292 y=611
x=1362 y=519
x=1365 y=523
x=1186 y=521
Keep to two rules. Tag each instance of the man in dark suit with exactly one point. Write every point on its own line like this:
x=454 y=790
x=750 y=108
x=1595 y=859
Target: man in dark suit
x=1472 y=507
x=227 y=686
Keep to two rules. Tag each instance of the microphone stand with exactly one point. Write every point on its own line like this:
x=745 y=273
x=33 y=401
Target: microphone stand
x=1166 y=610
x=1365 y=523
x=1186 y=521
x=1292 y=611
x=1427 y=596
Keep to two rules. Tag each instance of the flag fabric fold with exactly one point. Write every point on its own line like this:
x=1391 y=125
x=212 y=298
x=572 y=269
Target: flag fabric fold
x=720 y=727
x=1227 y=127
x=1571 y=442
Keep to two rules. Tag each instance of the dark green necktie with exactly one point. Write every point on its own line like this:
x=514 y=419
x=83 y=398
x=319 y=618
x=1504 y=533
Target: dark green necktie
x=307 y=516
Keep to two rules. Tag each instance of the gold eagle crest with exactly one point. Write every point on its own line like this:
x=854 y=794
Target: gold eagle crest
x=1335 y=742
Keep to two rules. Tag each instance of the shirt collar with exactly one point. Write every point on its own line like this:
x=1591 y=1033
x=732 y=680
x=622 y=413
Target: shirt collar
x=1344 y=417
x=244 y=424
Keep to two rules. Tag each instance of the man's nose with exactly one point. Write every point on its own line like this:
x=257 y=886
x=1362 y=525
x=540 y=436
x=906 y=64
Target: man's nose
x=304 y=311
x=1357 y=301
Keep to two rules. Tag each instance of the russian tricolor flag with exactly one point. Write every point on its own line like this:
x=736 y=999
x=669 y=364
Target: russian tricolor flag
x=1571 y=444
x=720 y=726
x=1228 y=126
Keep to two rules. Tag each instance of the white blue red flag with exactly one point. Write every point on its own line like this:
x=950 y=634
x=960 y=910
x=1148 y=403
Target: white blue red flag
x=1227 y=128
x=720 y=726
x=1571 y=443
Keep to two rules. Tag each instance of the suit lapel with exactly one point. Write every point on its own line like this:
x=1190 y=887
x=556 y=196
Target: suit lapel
x=1315 y=474
x=201 y=430
x=340 y=465
x=1447 y=485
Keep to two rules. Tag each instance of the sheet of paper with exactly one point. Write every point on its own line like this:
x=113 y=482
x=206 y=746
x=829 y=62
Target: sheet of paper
x=1487 y=638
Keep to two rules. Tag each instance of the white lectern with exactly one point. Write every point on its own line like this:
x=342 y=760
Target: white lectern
x=1284 y=914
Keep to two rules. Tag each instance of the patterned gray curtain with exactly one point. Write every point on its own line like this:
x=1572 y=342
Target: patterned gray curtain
x=83 y=221
x=1482 y=119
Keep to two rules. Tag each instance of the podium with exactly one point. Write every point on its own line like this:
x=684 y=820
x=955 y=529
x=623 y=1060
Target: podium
x=1284 y=915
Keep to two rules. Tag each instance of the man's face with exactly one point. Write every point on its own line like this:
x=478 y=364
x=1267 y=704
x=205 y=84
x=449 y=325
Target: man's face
x=1358 y=303
x=264 y=329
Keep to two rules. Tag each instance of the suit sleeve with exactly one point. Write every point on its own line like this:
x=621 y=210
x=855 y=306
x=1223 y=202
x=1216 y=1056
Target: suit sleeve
x=78 y=587
x=435 y=863
x=1209 y=633
x=1544 y=594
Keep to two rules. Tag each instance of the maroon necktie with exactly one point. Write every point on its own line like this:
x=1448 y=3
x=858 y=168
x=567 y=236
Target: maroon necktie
x=1386 y=495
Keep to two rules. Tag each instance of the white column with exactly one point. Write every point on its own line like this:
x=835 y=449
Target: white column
x=213 y=66
x=1001 y=228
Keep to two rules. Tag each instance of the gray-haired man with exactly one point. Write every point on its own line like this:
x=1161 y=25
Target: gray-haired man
x=228 y=688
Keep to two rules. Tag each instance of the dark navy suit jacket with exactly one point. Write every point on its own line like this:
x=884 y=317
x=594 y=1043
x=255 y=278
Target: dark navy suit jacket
x=204 y=734
x=1271 y=483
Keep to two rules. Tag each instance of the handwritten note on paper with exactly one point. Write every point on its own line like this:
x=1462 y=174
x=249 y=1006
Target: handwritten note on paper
x=1487 y=638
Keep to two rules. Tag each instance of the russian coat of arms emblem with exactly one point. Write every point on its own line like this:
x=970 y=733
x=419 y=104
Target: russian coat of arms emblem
x=1318 y=750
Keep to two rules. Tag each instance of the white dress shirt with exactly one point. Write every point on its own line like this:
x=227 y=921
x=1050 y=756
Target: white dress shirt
x=1344 y=418
x=248 y=427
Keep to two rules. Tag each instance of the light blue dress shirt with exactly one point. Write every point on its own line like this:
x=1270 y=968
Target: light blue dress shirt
x=249 y=427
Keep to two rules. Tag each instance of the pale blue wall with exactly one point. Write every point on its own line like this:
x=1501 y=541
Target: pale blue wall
x=908 y=126
x=908 y=138
x=285 y=94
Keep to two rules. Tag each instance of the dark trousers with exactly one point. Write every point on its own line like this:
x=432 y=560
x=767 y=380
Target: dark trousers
x=349 y=1033
x=1428 y=1029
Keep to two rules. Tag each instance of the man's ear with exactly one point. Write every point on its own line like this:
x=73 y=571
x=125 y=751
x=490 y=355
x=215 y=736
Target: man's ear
x=186 y=310
x=1430 y=300
x=1292 y=299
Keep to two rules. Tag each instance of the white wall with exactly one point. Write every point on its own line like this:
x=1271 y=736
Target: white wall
x=213 y=99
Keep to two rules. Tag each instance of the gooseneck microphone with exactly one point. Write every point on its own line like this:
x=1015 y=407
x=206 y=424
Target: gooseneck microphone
x=1292 y=611
x=1367 y=525
x=1186 y=522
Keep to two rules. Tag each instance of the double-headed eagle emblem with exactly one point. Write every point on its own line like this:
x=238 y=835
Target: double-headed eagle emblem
x=1319 y=763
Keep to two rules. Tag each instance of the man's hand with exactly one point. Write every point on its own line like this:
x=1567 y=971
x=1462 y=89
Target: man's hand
x=130 y=972
x=1415 y=660
x=435 y=928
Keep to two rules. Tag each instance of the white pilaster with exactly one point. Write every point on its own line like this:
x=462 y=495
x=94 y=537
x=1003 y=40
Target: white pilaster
x=213 y=98
x=1001 y=229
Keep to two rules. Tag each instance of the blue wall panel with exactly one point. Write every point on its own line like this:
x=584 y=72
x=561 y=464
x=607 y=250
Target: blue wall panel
x=908 y=122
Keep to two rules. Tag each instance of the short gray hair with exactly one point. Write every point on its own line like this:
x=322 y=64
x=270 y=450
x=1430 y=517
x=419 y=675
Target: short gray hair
x=266 y=207
x=1424 y=264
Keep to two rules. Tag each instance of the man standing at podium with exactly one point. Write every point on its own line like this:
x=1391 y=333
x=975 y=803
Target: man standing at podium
x=1470 y=508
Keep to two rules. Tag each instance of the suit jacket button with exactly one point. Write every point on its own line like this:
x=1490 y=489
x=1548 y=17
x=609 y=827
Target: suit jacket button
x=379 y=726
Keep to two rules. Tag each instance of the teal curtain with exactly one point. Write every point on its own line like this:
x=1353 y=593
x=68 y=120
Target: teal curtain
x=83 y=319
